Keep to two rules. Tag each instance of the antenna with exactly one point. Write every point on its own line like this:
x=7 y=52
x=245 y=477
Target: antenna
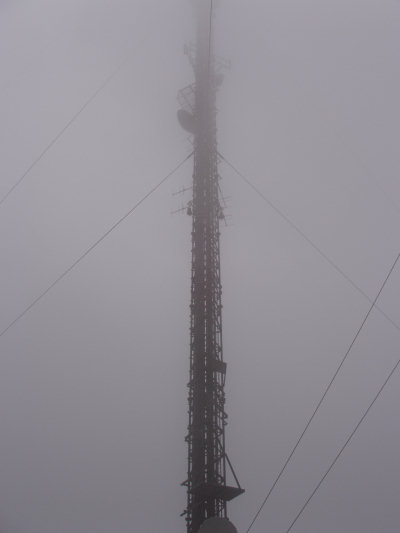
x=207 y=490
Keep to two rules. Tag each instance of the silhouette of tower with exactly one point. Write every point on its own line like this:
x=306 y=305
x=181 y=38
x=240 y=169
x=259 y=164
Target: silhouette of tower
x=207 y=490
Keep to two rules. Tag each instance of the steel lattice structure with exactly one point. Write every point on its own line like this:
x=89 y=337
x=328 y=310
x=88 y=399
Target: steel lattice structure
x=207 y=491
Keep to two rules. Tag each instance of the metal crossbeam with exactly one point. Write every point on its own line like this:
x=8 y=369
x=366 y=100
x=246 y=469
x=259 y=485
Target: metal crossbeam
x=207 y=491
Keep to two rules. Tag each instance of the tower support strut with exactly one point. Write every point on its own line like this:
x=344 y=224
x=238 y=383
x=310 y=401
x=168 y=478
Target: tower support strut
x=207 y=490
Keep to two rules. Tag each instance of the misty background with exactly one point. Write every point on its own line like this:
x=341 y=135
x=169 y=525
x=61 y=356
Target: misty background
x=93 y=397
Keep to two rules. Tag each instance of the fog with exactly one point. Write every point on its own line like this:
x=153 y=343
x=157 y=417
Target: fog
x=93 y=396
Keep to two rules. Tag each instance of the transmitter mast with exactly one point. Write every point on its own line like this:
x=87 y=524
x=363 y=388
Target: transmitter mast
x=207 y=490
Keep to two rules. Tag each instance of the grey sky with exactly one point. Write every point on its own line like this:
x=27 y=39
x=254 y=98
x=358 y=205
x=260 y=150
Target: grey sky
x=93 y=379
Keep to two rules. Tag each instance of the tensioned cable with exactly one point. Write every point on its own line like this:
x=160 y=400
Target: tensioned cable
x=298 y=230
x=306 y=238
x=92 y=247
x=344 y=446
x=62 y=131
x=323 y=396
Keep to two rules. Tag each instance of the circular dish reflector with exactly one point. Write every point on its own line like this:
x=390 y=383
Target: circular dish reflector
x=186 y=120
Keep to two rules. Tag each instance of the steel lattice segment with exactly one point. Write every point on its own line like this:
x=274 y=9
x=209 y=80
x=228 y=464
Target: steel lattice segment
x=207 y=492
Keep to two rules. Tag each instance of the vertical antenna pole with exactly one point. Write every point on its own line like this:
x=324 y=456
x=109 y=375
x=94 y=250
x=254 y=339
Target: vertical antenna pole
x=207 y=491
